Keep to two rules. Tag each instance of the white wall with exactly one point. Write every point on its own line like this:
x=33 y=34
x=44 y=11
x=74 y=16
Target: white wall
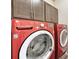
x=62 y=6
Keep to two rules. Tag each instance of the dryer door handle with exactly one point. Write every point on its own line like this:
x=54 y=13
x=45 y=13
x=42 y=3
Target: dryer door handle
x=24 y=27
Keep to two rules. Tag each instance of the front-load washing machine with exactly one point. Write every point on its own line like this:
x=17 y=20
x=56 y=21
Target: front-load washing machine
x=62 y=41
x=32 y=40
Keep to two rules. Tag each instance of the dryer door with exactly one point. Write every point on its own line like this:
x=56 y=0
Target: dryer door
x=64 y=40
x=38 y=45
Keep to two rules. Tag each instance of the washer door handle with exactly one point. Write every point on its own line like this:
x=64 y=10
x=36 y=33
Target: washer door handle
x=24 y=27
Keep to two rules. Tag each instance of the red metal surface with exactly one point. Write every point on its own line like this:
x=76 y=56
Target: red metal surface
x=59 y=28
x=23 y=34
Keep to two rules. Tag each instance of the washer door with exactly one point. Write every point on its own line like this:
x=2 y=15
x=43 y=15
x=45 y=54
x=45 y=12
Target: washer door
x=38 y=45
x=64 y=38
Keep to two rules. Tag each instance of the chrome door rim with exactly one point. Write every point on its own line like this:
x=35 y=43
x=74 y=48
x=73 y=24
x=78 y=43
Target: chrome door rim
x=66 y=41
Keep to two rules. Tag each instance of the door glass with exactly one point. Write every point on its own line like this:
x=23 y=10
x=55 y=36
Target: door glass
x=38 y=8
x=39 y=46
x=64 y=37
x=21 y=8
x=51 y=13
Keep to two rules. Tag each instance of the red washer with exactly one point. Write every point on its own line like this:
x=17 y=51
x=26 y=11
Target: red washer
x=62 y=40
x=32 y=40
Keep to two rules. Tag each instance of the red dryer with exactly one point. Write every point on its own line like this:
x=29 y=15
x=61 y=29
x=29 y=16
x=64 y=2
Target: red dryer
x=61 y=41
x=32 y=40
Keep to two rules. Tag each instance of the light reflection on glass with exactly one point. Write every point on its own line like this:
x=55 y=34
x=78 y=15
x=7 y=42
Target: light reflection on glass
x=36 y=1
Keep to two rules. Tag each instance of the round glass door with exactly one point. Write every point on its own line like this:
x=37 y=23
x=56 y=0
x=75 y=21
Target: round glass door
x=38 y=45
x=63 y=37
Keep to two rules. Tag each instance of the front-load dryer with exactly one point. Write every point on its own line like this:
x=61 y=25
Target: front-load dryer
x=32 y=40
x=61 y=41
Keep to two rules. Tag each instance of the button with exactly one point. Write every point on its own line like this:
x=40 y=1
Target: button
x=15 y=36
x=42 y=25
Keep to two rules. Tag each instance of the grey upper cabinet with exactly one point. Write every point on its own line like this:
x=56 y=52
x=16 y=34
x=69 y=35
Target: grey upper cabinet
x=38 y=8
x=35 y=10
x=29 y=9
x=51 y=14
x=21 y=8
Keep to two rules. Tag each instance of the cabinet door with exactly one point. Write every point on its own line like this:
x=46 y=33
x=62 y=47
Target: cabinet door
x=22 y=8
x=51 y=14
x=38 y=8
